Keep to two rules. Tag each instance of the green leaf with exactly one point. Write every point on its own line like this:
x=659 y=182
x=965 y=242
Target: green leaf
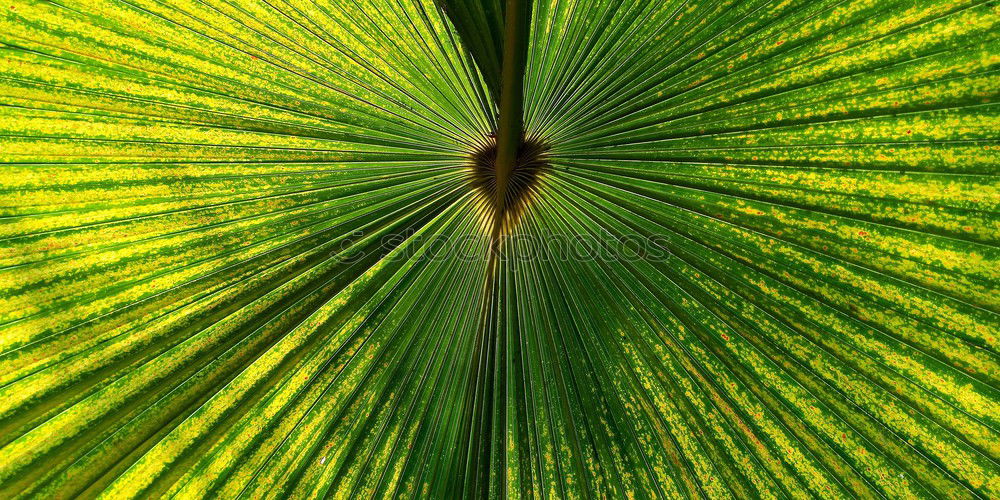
x=260 y=248
x=480 y=25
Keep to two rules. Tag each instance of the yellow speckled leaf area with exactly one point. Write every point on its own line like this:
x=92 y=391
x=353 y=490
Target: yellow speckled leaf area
x=242 y=253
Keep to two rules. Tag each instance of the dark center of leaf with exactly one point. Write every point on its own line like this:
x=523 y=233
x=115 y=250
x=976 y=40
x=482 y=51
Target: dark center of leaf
x=522 y=184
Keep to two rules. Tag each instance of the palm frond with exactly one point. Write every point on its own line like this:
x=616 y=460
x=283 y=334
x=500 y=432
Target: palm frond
x=253 y=249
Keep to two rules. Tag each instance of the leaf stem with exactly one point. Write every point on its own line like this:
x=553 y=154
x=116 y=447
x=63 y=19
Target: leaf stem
x=517 y=16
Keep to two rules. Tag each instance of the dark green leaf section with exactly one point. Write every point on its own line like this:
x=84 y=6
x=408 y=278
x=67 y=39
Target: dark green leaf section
x=243 y=252
x=480 y=26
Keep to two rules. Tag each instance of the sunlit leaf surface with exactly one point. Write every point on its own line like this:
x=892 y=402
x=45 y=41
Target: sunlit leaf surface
x=244 y=251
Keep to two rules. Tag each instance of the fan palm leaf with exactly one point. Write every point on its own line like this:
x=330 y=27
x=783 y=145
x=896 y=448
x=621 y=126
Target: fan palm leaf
x=558 y=248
